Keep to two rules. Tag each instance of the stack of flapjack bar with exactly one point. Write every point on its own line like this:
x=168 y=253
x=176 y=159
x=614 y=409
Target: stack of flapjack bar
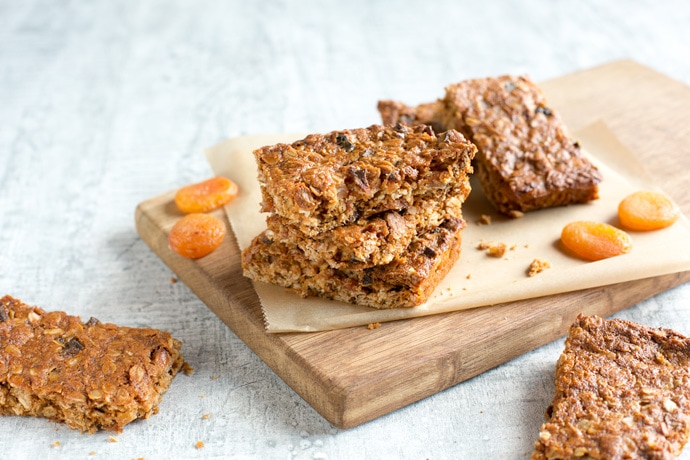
x=370 y=216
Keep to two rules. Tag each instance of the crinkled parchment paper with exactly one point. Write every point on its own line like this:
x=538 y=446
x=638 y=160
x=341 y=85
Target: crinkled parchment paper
x=477 y=279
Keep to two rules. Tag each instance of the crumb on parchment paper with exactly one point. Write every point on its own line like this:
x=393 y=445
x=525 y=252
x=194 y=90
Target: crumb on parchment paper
x=497 y=250
x=484 y=219
x=537 y=266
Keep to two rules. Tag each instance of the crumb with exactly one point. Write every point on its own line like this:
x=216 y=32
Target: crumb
x=497 y=250
x=199 y=445
x=202 y=396
x=493 y=249
x=205 y=416
x=187 y=369
x=515 y=214
x=93 y=452
x=215 y=377
x=371 y=326
x=513 y=247
x=469 y=275
x=485 y=219
x=173 y=280
x=538 y=266
x=112 y=439
x=526 y=245
x=56 y=444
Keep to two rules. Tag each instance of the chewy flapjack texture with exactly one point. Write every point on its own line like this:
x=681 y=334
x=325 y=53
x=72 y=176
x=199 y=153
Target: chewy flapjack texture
x=89 y=375
x=372 y=241
x=407 y=281
x=526 y=159
x=622 y=391
x=334 y=179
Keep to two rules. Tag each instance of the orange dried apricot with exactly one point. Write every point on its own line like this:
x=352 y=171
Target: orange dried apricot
x=595 y=240
x=206 y=196
x=196 y=235
x=646 y=210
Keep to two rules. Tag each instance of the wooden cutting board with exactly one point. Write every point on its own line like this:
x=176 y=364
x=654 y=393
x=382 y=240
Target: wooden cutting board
x=354 y=375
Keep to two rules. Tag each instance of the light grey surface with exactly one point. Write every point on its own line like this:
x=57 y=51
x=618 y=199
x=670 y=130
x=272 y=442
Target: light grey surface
x=104 y=104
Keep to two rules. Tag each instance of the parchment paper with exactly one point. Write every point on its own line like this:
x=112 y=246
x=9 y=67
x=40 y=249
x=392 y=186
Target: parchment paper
x=477 y=279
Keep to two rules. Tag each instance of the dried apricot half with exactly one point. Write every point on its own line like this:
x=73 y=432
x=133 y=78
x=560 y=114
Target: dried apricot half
x=196 y=235
x=646 y=210
x=206 y=196
x=595 y=240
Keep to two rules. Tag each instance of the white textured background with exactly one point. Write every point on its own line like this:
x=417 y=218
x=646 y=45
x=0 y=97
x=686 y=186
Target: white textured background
x=104 y=104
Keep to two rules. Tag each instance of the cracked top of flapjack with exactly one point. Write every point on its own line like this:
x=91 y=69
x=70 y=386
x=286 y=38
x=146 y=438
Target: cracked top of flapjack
x=334 y=179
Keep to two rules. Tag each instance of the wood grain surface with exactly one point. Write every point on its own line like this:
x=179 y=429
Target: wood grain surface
x=354 y=375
